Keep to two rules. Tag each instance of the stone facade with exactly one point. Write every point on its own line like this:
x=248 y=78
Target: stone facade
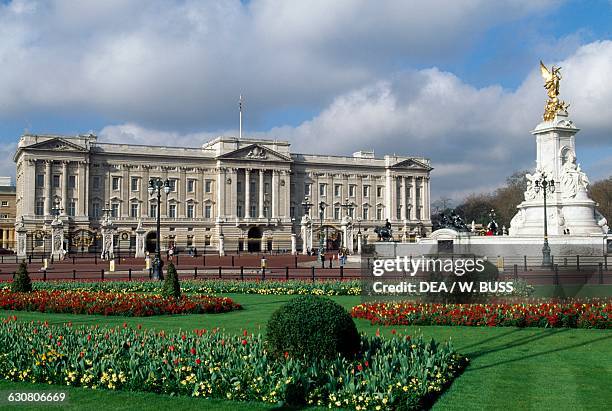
x=247 y=190
x=7 y=214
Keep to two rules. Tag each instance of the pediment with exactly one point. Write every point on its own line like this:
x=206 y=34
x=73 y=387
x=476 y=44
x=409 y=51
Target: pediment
x=56 y=144
x=255 y=152
x=412 y=164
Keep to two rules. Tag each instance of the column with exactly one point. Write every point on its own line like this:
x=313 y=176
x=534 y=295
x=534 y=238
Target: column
x=261 y=194
x=404 y=208
x=80 y=186
x=144 y=193
x=48 y=200
x=413 y=193
x=274 y=190
x=64 y=187
x=233 y=176
x=247 y=193
x=287 y=177
x=427 y=197
x=125 y=191
x=388 y=191
x=4 y=238
x=182 y=187
x=220 y=192
x=86 y=189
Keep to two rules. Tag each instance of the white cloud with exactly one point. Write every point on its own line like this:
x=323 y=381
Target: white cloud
x=182 y=64
x=475 y=136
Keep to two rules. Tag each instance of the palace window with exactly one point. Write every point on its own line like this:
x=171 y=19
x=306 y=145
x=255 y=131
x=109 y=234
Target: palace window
x=40 y=180
x=351 y=212
x=336 y=213
x=71 y=181
x=266 y=188
x=365 y=213
x=153 y=210
x=115 y=210
x=71 y=208
x=207 y=211
x=352 y=189
x=134 y=184
x=379 y=214
x=172 y=210
x=399 y=213
x=190 y=186
x=134 y=210
x=189 y=241
x=307 y=189
x=172 y=184
x=292 y=212
x=115 y=183
x=322 y=189
x=380 y=191
x=366 y=191
x=4 y=203
x=56 y=180
x=189 y=210
x=207 y=240
x=337 y=190
x=208 y=186
x=96 y=182
x=239 y=211
x=253 y=211
x=40 y=208
x=95 y=210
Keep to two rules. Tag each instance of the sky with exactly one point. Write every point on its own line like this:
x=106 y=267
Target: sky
x=454 y=81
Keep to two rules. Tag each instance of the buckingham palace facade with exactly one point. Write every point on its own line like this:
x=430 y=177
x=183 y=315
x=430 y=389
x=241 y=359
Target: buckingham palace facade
x=251 y=191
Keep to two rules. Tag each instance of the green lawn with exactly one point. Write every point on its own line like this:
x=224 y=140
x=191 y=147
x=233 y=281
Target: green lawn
x=510 y=368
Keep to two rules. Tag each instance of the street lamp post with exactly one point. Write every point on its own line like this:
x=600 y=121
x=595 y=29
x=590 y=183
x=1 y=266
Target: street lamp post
x=155 y=186
x=321 y=213
x=546 y=186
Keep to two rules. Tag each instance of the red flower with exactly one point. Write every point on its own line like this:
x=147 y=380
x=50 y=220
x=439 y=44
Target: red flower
x=198 y=361
x=171 y=348
x=244 y=333
x=366 y=363
x=378 y=332
x=139 y=326
x=88 y=337
x=183 y=337
x=193 y=351
x=393 y=331
x=359 y=367
x=124 y=325
x=286 y=354
x=244 y=342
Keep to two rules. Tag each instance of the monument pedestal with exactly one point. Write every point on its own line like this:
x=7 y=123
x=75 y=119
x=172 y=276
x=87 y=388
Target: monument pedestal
x=569 y=208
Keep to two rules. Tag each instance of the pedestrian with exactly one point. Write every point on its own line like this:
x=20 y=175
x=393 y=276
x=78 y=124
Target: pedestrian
x=322 y=255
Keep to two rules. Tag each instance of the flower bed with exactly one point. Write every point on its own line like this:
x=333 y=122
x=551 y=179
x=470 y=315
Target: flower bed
x=592 y=314
x=109 y=303
x=392 y=373
x=267 y=287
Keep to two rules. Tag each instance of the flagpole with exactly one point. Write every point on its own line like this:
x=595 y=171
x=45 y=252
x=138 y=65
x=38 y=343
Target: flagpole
x=240 y=106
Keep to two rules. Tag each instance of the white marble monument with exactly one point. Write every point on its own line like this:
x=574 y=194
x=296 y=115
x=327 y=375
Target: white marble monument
x=569 y=210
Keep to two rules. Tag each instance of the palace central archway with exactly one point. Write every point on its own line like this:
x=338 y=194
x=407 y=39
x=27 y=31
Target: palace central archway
x=151 y=242
x=254 y=239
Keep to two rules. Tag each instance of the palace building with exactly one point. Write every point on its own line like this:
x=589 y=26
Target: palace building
x=251 y=191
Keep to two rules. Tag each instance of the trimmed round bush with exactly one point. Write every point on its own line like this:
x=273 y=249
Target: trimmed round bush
x=313 y=327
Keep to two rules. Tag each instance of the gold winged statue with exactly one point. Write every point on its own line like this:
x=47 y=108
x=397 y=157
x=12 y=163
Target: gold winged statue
x=551 y=84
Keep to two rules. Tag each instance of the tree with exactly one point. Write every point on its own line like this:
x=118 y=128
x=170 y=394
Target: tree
x=601 y=192
x=475 y=208
x=171 y=287
x=22 y=282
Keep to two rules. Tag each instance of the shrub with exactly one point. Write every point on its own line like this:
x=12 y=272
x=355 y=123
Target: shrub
x=312 y=327
x=171 y=287
x=22 y=282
